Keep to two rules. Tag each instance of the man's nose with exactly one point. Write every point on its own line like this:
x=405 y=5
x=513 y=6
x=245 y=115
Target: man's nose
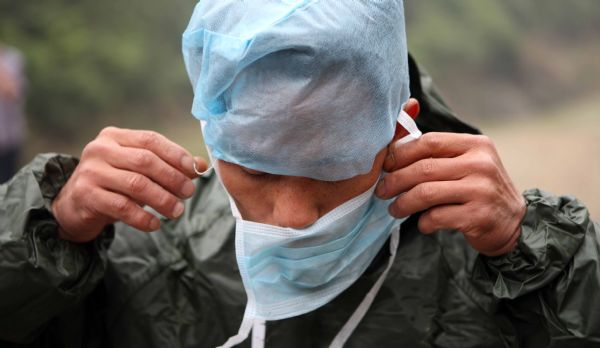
x=295 y=208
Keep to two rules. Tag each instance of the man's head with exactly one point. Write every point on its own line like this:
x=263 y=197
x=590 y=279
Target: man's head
x=307 y=91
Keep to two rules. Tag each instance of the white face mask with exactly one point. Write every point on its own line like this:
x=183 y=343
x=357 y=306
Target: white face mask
x=288 y=272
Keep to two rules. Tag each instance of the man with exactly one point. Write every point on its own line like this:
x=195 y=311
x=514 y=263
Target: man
x=297 y=260
x=12 y=117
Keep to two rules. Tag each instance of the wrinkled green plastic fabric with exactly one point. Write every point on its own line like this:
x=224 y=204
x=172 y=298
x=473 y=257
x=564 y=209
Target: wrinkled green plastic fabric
x=180 y=287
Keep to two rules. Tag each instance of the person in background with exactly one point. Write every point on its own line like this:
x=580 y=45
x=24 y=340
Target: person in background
x=12 y=115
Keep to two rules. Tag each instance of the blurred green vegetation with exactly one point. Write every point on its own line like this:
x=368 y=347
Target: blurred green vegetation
x=511 y=58
x=88 y=59
x=487 y=35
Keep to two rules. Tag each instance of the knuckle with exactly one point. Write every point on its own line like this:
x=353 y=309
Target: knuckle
x=88 y=216
x=93 y=148
x=137 y=183
x=79 y=191
x=173 y=178
x=426 y=193
x=122 y=206
x=173 y=152
x=107 y=131
x=482 y=188
x=140 y=219
x=483 y=141
x=427 y=167
x=166 y=202
x=432 y=141
x=88 y=150
x=89 y=210
x=489 y=165
x=483 y=163
x=149 y=139
x=141 y=158
x=86 y=171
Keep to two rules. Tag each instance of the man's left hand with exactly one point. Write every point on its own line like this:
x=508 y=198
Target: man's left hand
x=458 y=182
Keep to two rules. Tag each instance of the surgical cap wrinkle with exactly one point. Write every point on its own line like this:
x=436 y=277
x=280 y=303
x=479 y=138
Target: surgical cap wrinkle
x=305 y=88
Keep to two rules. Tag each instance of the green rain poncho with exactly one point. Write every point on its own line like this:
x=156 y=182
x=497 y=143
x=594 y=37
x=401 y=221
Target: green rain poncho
x=179 y=287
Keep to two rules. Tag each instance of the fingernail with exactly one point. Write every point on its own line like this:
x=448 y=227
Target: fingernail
x=178 y=210
x=154 y=224
x=188 y=189
x=380 y=189
x=187 y=163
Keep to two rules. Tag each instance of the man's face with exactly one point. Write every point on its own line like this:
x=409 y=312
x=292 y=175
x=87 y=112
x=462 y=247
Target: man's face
x=290 y=201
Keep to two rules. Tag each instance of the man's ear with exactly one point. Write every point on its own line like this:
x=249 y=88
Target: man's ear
x=412 y=108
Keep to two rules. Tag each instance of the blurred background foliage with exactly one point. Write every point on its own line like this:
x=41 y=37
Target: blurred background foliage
x=92 y=62
x=527 y=72
x=526 y=55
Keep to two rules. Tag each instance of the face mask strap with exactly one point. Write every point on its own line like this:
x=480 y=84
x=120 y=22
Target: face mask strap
x=212 y=161
x=199 y=173
x=244 y=331
x=409 y=124
x=346 y=331
x=213 y=166
x=258 y=333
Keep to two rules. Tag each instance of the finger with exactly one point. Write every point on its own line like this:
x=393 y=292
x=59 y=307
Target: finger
x=121 y=208
x=412 y=108
x=468 y=220
x=425 y=170
x=431 y=194
x=140 y=189
x=443 y=217
x=201 y=165
x=150 y=165
x=170 y=152
x=434 y=144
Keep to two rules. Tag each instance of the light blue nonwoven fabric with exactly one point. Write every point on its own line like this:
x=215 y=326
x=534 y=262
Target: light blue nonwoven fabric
x=298 y=87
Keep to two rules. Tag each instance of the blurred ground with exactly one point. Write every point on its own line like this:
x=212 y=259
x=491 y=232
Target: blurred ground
x=559 y=152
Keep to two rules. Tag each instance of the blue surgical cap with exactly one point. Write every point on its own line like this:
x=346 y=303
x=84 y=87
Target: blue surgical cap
x=306 y=88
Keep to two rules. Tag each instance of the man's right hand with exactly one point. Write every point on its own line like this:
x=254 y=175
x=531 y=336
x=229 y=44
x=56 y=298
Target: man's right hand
x=121 y=171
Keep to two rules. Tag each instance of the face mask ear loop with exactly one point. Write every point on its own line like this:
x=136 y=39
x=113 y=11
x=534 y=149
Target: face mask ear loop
x=409 y=124
x=210 y=168
x=207 y=171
